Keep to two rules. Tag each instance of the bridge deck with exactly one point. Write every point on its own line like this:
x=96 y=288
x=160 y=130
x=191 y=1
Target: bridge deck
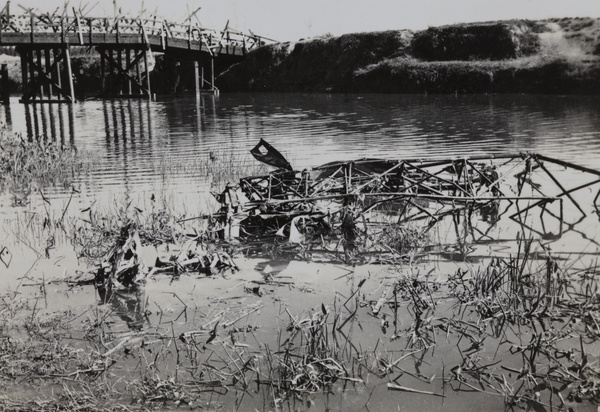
x=156 y=43
x=43 y=42
x=160 y=35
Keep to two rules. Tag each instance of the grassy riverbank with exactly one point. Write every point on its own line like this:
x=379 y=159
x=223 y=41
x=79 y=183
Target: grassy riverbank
x=517 y=56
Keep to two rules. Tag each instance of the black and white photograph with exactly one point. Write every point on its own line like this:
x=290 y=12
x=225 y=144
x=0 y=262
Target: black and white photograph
x=300 y=206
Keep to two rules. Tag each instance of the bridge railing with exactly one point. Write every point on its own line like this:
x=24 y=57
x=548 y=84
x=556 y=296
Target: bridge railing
x=85 y=27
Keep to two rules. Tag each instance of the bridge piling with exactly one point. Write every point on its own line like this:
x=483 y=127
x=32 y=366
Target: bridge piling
x=147 y=72
x=102 y=73
x=42 y=40
x=5 y=94
x=42 y=74
x=50 y=73
x=67 y=54
x=124 y=77
x=197 y=83
x=126 y=61
x=38 y=67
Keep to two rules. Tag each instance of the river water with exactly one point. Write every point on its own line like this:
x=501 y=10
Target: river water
x=138 y=148
x=131 y=140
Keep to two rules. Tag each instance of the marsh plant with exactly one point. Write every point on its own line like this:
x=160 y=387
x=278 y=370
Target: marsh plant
x=25 y=164
x=94 y=235
x=215 y=167
x=521 y=330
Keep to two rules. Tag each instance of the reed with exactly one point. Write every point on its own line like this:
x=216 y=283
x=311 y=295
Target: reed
x=25 y=164
x=510 y=347
x=95 y=235
x=217 y=167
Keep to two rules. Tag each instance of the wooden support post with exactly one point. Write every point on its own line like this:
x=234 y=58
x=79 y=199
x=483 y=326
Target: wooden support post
x=62 y=30
x=79 y=31
x=147 y=69
x=128 y=63
x=55 y=71
x=202 y=78
x=58 y=71
x=24 y=70
x=102 y=71
x=111 y=75
x=32 y=77
x=40 y=65
x=48 y=53
x=138 y=72
x=32 y=28
x=5 y=93
x=69 y=73
x=120 y=63
x=197 y=78
x=212 y=73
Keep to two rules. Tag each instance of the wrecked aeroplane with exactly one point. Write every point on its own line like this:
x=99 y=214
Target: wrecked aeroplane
x=376 y=206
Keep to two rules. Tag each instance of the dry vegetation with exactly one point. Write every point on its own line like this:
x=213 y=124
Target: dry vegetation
x=549 y=56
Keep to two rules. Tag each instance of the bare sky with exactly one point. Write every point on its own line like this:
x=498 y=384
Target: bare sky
x=294 y=19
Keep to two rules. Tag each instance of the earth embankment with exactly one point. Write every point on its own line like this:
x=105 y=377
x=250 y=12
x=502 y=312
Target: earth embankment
x=517 y=56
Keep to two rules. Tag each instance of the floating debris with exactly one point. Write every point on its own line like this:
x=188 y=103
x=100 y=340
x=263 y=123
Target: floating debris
x=5 y=256
x=125 y=265
x=209 y=264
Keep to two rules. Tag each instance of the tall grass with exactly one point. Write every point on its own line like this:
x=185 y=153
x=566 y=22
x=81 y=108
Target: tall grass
x=25 y=164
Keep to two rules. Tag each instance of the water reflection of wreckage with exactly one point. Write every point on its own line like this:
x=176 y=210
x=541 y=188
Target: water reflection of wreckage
x=384 y=206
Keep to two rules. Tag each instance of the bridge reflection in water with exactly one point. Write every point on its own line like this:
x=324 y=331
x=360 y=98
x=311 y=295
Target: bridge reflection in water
x=51 y=123
x=124 y=122
x=123 y=119
x=127 y=120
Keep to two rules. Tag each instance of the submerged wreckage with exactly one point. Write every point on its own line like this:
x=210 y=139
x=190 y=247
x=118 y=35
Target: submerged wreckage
x=370 y=210
x=373 y=207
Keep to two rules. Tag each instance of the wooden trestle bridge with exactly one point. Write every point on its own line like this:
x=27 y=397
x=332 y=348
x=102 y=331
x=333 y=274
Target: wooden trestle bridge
x=125 y=45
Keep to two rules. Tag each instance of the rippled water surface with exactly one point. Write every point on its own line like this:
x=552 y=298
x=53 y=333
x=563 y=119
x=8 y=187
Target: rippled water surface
x=131 y=141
